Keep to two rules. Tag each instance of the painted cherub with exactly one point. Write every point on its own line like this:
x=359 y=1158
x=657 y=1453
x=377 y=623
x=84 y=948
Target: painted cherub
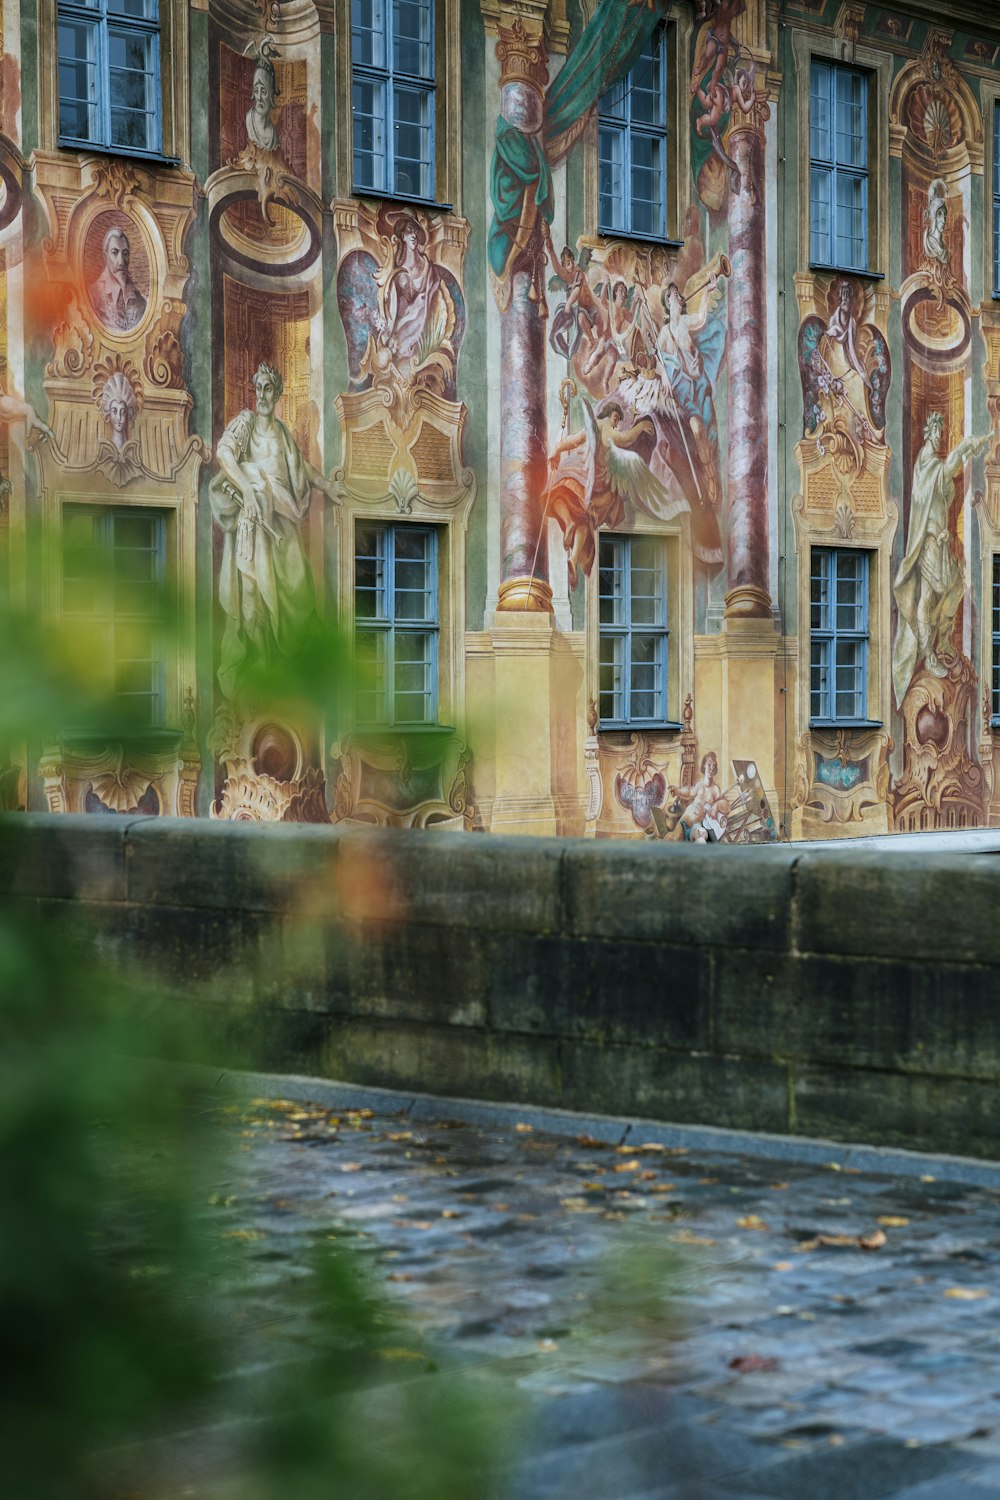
x=579 y=318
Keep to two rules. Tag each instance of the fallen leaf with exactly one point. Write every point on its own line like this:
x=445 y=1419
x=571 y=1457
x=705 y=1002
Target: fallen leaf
x=251 y=1234
x=663 y=1187
x=400 y=1354
x=833 y=1166
x=928 y=1178
x=707 y=1181
x=873 y=1241
x=967 y=1293
x=751 y=1221
x=577 y=1206
x=778 y=1187
x=413 y=1224
x=450 y=1213
x=400 y=1135
x=748 y=1364
x=892 y=1221
x=651 y=1146
x=350 y=1166
x=782 y=1265
x=523 y=1129
x=589 y=1142
x=686 y=1237
x=626 y=1166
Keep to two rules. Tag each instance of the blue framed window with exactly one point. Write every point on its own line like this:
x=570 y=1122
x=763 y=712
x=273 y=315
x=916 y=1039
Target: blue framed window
x=632 y=136
x=838 y=169
x=396 y=624
x=996 y=200
x=393 y=97
x=109 y=75
x=114 y=586
x=634 y=632
x=839 y=634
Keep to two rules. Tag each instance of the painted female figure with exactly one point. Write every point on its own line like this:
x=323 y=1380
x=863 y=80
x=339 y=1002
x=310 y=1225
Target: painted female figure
x=412 y=301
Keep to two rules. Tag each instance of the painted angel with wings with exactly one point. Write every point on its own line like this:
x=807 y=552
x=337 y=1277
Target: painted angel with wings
x=598 y=476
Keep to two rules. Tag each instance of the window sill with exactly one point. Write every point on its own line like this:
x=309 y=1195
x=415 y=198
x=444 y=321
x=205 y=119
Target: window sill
x=64 y=143
x=845 y=724
x=423 y=731
x=414 y=202
x=863 y=275
x=640 y=239
x=643 y=725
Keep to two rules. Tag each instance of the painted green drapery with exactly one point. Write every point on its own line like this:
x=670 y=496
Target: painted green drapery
x=604 y=53
x=520 y=166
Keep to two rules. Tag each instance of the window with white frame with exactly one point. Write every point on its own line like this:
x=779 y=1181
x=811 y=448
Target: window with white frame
x=396 y=623
x=109 y=75
x=393 y=97
x=839 y=635
x=634 y=631
x=114 y=589
x=632 y=135
x=838 y=166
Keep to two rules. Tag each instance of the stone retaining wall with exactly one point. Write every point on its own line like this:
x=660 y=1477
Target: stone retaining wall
x=838 y=993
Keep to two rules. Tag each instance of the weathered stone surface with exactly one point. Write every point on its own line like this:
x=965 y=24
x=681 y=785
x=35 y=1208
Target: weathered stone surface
x=840 y=993
x=65 y=857
x=900 y=906
x=682 y=894
x=260 y=867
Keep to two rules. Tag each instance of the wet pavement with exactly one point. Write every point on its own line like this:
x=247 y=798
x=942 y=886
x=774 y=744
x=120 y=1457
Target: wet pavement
x=677 y=1320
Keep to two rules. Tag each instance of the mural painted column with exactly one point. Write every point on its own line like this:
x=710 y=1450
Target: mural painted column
x=521 y=188
x=748 y=594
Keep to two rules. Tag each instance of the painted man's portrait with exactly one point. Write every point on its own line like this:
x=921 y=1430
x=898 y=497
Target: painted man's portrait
x=118 y=301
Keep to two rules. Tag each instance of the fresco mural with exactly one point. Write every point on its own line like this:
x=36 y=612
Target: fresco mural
x=265 y=359
x=935 y=682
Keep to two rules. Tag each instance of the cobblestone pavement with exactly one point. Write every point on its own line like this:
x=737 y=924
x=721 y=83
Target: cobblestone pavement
x=831 y=1331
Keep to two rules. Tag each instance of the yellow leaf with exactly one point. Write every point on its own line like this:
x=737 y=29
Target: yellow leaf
x=626 y=1166
x=778 y=1187
x=966 y=1293
x=523 y=1129
x=892 y=1221
x=450 y=1213
x=576 y=1205
x=243 y=1234
x=751 y=1221
x=782 y=1265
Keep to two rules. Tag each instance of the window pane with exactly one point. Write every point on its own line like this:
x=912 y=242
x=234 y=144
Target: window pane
x=368 y=33
x=612 y=144
x=852 y=197
x=612 y=102
x=78 y=115
x=818 y=680
x=369 y=133
x=647 y=96
x=851 y=144
x=411 y=35
x=413 y=145
x=821 y=215
x=850 y=655
x=139 y=10
x=369 y=573
x=611 y=704
x=648 y=196
x=820 y=112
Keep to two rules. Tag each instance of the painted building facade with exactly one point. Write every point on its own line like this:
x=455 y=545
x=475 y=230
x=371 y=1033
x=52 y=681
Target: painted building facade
x=624 y=377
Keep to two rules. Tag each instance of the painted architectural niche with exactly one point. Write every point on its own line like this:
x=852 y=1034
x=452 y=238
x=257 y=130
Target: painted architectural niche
x=402 y=307
x=938 y=777
x=841 y=777
x=265 y=218
x=119 y=413
x=263 y=208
